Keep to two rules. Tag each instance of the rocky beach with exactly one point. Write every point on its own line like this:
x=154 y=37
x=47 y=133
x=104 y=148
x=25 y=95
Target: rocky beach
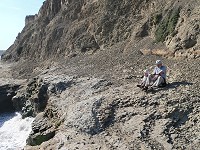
x=75 y=67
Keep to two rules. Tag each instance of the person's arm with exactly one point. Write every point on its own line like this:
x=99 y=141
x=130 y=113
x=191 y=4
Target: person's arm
x=161 y=73
x=153 y=73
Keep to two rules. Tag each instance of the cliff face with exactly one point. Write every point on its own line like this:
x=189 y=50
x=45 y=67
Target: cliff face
x=65 y=28
x=29 y=19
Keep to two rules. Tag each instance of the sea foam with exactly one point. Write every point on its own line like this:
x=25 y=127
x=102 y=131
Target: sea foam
x=14 y=131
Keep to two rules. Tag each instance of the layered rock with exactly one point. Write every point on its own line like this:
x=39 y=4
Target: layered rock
x=31 y=98
x=8 y=88
x=67 y=28
x=29 y=19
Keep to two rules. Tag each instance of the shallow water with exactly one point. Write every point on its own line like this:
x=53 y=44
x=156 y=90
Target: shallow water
x=14 y=131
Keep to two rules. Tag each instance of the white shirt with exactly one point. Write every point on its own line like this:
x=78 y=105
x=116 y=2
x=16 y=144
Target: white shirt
x=162 y=69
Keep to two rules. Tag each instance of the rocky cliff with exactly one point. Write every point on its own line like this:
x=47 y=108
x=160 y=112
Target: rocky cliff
x=65 y=28
x=82 y=61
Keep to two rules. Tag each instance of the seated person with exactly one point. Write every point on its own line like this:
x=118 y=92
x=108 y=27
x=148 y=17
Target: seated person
x=156 y=79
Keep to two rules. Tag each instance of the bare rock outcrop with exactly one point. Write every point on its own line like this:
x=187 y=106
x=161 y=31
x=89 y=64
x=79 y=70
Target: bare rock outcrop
x=79 y=106
x=31 y=98
x=8 y=88
x=29 y=19
x=89 y=113
x=185 y=41
x=66 y=28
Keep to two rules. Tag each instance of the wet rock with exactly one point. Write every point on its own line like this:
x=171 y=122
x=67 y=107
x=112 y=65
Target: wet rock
x=42 y=130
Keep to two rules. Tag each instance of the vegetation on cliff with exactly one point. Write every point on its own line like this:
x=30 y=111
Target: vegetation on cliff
x=167 y=25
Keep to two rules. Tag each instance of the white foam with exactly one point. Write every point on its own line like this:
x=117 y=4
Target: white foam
x=14 y=131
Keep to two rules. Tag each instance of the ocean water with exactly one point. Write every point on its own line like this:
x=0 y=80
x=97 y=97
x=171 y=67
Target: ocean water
x=14 y=131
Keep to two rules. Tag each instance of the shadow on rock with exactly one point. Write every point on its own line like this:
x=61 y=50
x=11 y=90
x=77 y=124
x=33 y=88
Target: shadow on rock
x=172 y=85
x=177 y=84
x=6 y=93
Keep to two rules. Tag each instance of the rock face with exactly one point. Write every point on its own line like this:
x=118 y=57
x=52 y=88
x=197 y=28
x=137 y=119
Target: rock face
x=66 y=28
x=8 y=88
x=32 y=98
x=30 y=18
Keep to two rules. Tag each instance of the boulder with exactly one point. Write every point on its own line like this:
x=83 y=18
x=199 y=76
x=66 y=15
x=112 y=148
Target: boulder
x=31 y=98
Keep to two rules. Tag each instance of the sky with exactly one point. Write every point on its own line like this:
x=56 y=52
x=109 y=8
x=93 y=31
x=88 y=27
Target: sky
x=12 y=18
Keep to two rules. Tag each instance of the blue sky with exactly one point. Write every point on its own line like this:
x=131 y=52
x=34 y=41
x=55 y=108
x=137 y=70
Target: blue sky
x=12 y=16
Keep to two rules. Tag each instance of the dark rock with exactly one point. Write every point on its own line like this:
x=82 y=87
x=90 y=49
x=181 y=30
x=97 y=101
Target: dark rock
x=7 y=92
x=32 y=98
x=37 y=139
x=42 y=130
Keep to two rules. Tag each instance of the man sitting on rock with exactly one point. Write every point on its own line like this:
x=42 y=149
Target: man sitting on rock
x=156 y=79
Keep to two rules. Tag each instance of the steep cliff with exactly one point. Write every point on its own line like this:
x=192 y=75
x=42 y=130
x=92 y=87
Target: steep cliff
x=66 y=28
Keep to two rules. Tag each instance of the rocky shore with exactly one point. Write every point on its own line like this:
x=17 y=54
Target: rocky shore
x=8 y=87
x=103 y=109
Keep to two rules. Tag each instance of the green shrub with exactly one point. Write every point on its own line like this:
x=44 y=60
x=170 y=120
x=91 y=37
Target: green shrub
x=156 y=18
x=167 y=25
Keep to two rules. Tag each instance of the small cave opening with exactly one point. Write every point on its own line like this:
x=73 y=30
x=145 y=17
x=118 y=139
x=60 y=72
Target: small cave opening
x=7 y=92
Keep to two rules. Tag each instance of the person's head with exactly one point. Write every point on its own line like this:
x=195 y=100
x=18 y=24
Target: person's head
x=158 y=63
